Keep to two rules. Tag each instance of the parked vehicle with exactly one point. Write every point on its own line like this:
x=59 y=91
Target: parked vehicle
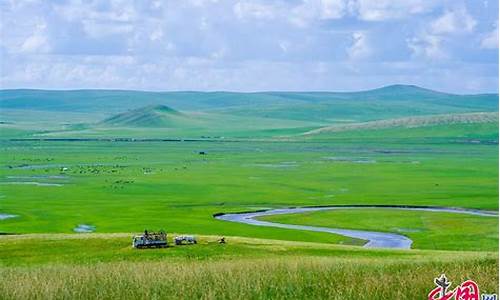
x=185 y=239
x=150 y=240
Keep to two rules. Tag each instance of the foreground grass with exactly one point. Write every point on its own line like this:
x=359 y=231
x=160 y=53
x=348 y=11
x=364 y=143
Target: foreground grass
x=427 y=230
x=242 y=269
x=294 y=278
x=78 y=249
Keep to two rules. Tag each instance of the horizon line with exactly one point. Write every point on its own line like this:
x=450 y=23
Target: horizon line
x=246 y=92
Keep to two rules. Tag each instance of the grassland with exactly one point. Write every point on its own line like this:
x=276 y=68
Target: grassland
x=256 y=156
x=129 y=186
x=412 y=122
x=427 y=230
x=106 y=267
x=169 y=185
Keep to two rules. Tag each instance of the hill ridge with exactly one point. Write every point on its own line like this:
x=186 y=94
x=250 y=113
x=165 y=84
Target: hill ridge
x=381 y=88
x=411 y=122
x=155 y=115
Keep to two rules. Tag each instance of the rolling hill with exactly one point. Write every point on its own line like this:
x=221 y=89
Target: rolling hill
x=387 y=102
x=110 y=113
x=150 y=116
x=412 y=122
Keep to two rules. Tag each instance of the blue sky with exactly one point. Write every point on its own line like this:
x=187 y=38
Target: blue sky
x=335 y=45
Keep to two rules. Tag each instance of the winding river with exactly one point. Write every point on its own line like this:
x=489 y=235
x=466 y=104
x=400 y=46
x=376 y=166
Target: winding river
x=375 y=239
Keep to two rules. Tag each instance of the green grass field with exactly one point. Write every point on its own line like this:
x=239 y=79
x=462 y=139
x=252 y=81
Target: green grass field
x=427 y=230
x=169 y=185
x=83 y=266
x=253 y=159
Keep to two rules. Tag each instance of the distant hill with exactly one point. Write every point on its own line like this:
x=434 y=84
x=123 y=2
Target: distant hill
x=162 y=120
x=149 y=116
x=114 y=101
x=388 y=102
x=412 y=122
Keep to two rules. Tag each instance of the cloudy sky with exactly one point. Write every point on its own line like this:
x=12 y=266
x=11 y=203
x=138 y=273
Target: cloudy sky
x=448 y=45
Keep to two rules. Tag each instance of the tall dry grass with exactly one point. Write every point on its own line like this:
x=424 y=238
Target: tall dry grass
x=283 y=278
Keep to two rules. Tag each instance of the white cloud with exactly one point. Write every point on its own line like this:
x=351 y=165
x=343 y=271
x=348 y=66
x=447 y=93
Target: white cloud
x=302 y=14
x=332 y=9
x=359 y=48
x=379 y=10
x=490 y=41
x=156 y=35
x=306 y=12
x=114 y=11
x=454 y=21
x=310 y=11
x=38 y=42
x=202 y=2
x=367 y=10
x=242 y=44
x=115 y=17
x=427 y=45
x=246 y=9
x=219 y=53
x=97 y=29
x=284 y=46
x=433 y=39
x=109 y=59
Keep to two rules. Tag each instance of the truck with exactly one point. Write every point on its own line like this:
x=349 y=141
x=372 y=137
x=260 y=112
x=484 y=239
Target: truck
x=150 y=240
x=188 y=239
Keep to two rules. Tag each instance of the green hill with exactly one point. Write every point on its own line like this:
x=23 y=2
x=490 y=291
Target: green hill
x=383 y=103
x=222 y=113
x=149 y=116
x=159 y=121
x=389 y=102
x=412 y=122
